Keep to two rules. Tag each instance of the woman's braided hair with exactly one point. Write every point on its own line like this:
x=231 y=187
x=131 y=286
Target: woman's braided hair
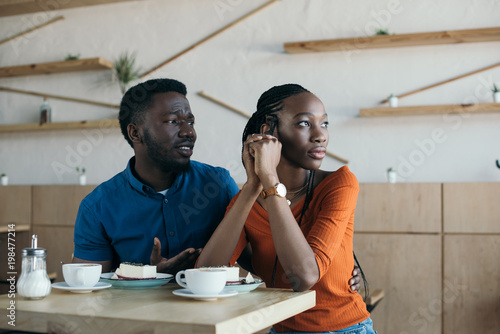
x=270 y=102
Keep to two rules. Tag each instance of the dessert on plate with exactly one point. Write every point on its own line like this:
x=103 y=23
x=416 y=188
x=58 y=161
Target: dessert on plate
x=134 y=271
x=248 y=280
x=233 y=274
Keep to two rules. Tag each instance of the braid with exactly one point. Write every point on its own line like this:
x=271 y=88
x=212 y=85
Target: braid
x=270 y=102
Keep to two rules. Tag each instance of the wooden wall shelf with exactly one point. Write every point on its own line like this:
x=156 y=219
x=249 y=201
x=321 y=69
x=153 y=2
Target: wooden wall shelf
x=89 y=64
x=17 y=7
x=390 y=41
x=431 y=110
x=104 y=123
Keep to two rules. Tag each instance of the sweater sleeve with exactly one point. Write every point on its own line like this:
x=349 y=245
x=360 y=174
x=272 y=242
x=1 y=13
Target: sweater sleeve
x=334 y=217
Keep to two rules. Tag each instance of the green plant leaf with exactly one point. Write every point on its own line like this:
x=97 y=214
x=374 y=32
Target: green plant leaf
x=382 y=32
x=70 y=56
x=126 y=70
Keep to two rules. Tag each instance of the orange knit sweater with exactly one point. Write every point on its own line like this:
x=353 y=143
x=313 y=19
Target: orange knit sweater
x=328 y=228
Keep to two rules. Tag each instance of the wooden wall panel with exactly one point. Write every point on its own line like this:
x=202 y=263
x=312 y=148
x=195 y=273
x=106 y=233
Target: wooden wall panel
x=471 y=207
x=408 y=269
x=58 y=241
x=472 y=284
x=15 y=208
x=58 y=205
x=399 y=207
x=22 y=240
x=15 y=205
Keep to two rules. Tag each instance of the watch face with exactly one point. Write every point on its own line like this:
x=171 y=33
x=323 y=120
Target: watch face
x=281 y=190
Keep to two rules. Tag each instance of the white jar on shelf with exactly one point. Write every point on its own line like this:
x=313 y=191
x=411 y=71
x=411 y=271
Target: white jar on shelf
x=392 y=176
x=83 y=179
x=393 y=101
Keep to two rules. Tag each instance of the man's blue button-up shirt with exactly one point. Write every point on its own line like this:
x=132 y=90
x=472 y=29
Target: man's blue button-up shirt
x=120 y=218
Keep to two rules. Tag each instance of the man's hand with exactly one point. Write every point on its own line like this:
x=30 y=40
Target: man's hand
x=184 y=260
x=355 y=281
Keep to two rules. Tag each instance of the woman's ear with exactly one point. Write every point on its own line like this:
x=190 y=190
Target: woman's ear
x=265 y=129
x=134 y=133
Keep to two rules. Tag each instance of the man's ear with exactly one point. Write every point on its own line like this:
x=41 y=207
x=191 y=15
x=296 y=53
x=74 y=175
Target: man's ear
x=134 y=133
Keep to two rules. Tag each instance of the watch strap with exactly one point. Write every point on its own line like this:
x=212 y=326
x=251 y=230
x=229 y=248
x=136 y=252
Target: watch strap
x=269 y=191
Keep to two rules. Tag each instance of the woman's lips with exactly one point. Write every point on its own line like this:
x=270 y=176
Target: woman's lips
x=317 y=153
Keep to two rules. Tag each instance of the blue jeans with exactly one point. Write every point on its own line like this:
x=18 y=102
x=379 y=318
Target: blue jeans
x=365 y=327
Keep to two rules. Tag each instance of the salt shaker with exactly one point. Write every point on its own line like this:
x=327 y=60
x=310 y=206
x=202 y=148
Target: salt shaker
x=34 y=282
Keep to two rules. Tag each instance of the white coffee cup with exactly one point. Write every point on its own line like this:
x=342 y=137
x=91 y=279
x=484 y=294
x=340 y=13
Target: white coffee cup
x=81 y=274
x=205 y=281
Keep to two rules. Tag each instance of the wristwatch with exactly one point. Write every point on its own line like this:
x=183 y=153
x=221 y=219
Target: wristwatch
x=278 y=189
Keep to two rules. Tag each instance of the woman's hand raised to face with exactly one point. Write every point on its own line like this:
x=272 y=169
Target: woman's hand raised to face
x=266 y=152
x=248 y=161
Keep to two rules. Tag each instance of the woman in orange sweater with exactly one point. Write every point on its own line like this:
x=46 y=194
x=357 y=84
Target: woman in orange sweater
x=300 y=238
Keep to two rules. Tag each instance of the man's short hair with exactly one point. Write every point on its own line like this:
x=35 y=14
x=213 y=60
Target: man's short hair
x=138 y=99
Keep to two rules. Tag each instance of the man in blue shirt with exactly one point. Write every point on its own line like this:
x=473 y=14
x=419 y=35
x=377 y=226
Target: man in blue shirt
x=162 y=208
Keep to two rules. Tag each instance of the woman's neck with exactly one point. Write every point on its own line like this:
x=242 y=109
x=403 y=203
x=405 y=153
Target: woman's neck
x=293 y=178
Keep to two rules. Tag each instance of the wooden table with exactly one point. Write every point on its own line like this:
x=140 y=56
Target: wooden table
x=154 y=310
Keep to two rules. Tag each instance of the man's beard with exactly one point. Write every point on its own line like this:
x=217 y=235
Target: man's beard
x=160 y=156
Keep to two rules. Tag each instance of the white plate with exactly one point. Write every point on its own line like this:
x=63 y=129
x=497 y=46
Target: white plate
x=187 y=293
x=81 y=289
x=136 y=284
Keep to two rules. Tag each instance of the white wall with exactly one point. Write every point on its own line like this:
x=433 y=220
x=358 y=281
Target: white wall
x=241 y=63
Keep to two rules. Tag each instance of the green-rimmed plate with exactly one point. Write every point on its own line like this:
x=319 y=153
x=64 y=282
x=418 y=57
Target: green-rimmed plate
x=244 y=288
x=160 y=279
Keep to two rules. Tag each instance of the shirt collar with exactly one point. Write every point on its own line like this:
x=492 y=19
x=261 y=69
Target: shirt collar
x=143 y=188
x=134 y=182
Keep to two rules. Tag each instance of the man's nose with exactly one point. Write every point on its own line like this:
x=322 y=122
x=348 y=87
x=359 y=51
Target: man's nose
x=186 y=129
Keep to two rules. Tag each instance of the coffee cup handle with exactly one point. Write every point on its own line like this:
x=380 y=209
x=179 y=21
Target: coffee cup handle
x=179 y=280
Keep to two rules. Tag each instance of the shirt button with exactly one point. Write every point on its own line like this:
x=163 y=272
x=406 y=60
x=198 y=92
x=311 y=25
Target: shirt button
x=172 y=233
x=165 y=200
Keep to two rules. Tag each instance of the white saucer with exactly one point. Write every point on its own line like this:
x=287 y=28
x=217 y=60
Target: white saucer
x=187 y=293
x=80 y=289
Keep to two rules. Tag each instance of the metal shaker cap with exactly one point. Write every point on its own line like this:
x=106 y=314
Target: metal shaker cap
x=34 y=251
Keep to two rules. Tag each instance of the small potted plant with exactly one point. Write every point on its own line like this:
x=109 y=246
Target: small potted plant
x=70 y=56
x=391 y=175
x=496 y=94
x=393 y=100
x=125 y=70
x=82 y=177
x=381 y=31
x=4 y=179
